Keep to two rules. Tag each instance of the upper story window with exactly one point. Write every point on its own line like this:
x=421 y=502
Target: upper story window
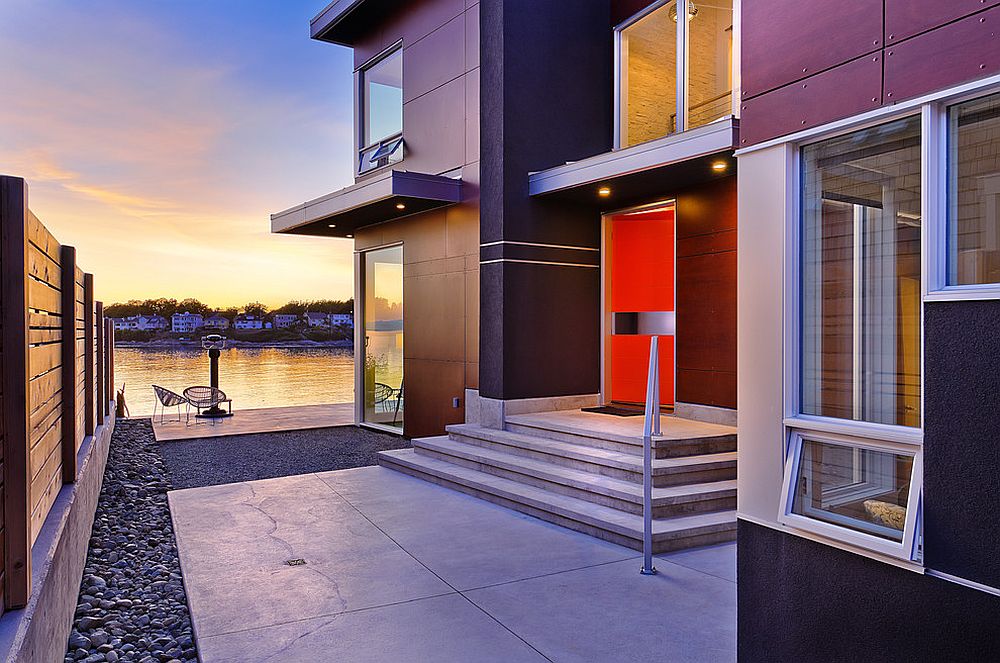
x=381 y=112
x=659 y=93
x=974 y=192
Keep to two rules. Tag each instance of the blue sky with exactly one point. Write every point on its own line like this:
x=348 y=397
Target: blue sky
x=157 y=136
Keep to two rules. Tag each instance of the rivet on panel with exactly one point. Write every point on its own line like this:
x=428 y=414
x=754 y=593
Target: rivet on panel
x=875 y=59
x=892 y=36
x=982 y=20
x=982 y=66
x=875 y=43
x=805 y=85
x=889 y=94
x=874 y=98
x=804 y=69
x=803 y=121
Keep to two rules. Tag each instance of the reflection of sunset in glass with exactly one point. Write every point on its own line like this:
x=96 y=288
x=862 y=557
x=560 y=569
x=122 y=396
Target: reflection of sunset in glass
x=157 y=137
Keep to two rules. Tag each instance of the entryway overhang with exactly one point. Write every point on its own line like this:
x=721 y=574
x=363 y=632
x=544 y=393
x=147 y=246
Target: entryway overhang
x=621 y=177
x=391 y=195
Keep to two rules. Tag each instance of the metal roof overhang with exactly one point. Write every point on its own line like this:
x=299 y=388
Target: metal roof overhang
x=342 y=21
x=665 y=165
x=369 y=202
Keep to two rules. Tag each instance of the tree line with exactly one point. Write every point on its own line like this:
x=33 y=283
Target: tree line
x=166 y=307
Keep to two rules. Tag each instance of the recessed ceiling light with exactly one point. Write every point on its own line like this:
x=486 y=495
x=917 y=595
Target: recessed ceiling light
x=332 y=225
x=348 y=235
x=719 y=166
x=604 y=191
x=400 y=206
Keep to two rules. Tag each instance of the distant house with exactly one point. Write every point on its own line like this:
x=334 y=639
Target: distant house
x=342 y=319
x=129 y=323
x=152 y=323
x=247 y=321
x=186 y=322
x=217 y=322
x=314 y=319
x=285 y=320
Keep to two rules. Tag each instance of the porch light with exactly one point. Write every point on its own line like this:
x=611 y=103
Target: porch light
x=719 y=166
x=672 y=12
x=348 y=235
x=400 y=206
x=332 y=225
x=604 y=191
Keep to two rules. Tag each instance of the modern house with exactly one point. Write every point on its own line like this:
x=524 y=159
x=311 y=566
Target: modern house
x=285 y=320
x=316 y=319
x=128 y=323
x=869 y=303
x=248 y=321
x=186 y=322
x=539 y=189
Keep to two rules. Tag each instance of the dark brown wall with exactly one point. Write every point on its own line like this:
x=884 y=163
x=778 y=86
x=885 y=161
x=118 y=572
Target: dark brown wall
x=440 y=248
x=809 y=63
x=706 y=294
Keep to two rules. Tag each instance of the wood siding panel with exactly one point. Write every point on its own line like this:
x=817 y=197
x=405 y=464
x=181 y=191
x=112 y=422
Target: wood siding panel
x=846 y=90
x=970 y=48
x=787 y=40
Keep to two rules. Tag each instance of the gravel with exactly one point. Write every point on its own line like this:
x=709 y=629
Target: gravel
x=211 y=461
x=132 y=605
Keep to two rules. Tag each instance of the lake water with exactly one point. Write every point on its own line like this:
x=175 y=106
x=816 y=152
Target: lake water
x=252 y=377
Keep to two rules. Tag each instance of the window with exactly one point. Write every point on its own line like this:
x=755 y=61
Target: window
x=854 y=490
x=649 y=70
x=381 y=112
x=860 y=276
x=859 y=306
x=974 y=192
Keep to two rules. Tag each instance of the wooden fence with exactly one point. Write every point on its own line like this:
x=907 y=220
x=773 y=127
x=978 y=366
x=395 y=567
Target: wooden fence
x=56 y=353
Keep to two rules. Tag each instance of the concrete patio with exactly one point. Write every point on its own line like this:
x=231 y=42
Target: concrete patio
x=397 y=569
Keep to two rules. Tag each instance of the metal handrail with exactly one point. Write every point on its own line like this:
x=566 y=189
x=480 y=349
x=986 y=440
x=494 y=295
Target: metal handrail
x=650 y=427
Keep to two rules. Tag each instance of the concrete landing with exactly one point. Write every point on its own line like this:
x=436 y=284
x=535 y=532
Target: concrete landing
x=399 y=569
x=259 y=420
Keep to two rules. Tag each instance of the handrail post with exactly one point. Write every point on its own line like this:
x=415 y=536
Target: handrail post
x=652 y=414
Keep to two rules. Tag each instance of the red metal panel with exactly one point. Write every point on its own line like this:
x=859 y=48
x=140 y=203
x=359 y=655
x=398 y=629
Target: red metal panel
x=956 y=53
x=851 y=88
x=905 y=18
x=642 y=262
x=630 y=366
x=785 y=40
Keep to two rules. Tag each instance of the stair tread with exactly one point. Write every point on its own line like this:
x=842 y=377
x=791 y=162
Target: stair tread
x=595 y=455
x=580 y=479
x=673 y=430
x=620 y=522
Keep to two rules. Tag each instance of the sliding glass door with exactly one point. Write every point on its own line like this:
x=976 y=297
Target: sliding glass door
x=383 y=337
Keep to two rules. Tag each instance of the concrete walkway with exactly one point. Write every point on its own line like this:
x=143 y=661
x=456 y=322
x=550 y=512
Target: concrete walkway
x=247 y=422
x=397 y=569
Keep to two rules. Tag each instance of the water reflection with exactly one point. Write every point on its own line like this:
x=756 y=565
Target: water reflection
x=252 y=377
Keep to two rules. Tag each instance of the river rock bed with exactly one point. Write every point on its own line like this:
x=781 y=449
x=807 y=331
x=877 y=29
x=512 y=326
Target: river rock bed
x=132 y=605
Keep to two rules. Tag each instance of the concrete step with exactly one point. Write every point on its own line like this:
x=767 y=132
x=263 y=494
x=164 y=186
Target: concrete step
x=616 y=464
x=616 y=493
x=594 y=519
x=680 y=437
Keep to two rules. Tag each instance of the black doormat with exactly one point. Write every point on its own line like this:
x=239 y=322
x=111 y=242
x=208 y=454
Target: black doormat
x=615 y=410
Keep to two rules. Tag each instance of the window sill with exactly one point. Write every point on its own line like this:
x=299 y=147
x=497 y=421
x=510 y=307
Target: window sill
x=964 y=293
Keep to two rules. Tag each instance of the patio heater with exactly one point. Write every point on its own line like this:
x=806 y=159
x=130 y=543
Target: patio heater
x=215 y=344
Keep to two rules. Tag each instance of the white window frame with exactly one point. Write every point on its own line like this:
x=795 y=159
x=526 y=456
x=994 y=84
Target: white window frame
x=683 y=66
x=907 y=549
x=361 y=145
x=933 y=110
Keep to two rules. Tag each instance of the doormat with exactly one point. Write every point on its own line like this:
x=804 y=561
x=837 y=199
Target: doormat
x=614 y=410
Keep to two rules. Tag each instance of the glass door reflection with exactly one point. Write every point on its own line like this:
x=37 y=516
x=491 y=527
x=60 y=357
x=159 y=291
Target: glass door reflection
x=383 y=341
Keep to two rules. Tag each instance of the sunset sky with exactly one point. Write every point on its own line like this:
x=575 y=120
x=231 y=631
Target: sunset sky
x=157 y=136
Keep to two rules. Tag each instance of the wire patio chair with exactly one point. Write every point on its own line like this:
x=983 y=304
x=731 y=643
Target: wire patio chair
x=167 y=398
x=204 y=398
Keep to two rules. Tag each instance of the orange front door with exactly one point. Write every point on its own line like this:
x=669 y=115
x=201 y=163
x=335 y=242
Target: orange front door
x=639 y=296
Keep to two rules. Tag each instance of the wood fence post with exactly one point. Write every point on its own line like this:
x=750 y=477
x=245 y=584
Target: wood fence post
x=111 y=365
x=16 y=403
x=88 y=352
x=67 y=263
x=102 y=402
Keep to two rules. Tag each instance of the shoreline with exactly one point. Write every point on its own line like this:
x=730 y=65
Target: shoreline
x=173 y=344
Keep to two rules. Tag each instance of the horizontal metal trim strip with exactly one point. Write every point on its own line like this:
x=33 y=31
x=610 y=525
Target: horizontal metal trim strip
x=540 y=244
x=958 y=580
x=538 y=262
x=539 y=254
